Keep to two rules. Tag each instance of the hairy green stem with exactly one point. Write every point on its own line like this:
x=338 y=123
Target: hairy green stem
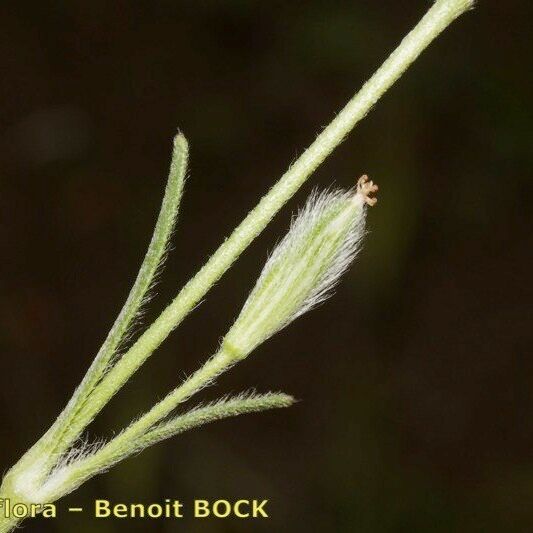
x=44 y=472
x=68 y=426
x=131 y=440
x=439 y=16
x=215 y=366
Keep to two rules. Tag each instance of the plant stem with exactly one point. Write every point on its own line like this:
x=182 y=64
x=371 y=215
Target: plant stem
x=205 y=375
x=66 y=429
x=134 y=439
x=31 y=475
x=439 y=16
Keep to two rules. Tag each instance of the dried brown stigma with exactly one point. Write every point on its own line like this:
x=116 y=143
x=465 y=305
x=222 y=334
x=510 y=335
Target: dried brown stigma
x=366 y=188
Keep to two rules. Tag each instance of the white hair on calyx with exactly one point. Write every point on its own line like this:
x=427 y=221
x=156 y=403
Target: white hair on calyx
x=305 y=266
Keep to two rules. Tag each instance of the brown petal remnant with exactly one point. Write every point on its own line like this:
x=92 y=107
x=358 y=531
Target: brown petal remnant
x=366 y=188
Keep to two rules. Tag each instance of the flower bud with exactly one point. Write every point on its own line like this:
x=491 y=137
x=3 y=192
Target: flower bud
x=322 y=241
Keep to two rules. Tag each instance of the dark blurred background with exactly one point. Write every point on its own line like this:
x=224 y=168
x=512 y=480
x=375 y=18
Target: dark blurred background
x=414 y=380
